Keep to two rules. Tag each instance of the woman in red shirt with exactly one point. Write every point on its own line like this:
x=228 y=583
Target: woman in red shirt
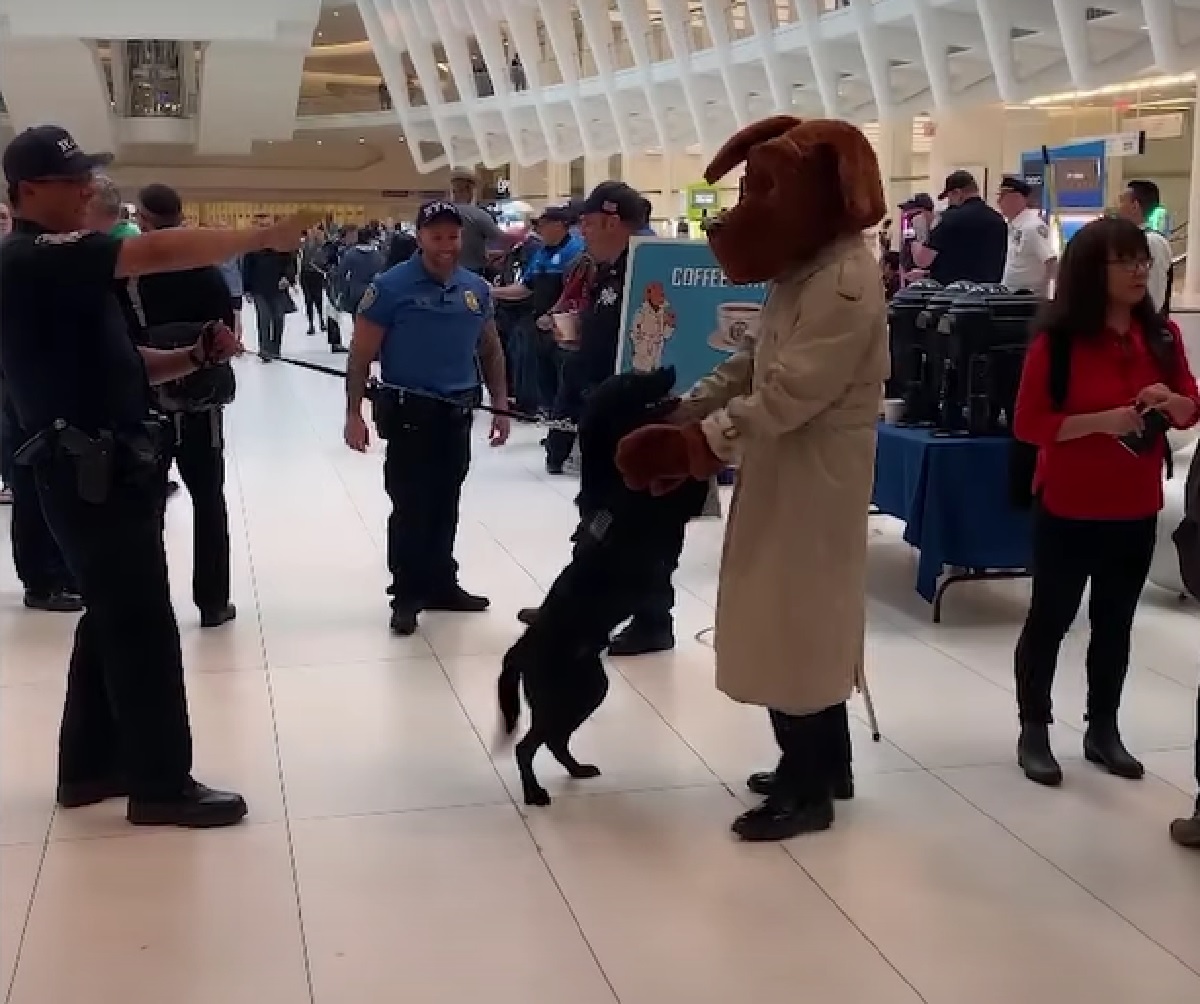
x=1103 y=359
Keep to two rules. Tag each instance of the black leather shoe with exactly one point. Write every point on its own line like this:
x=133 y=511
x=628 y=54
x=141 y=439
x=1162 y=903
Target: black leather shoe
x=637 y=640
x=77 y=794
x=1186 y=832
x=527 y=615
x=215 y=618
x=198 y=807
x=780 y=818
x=59 y=601
x=172 y=488
x=763 y=783
x=404 y=620
x=1102 y=745
x=457 y=600
x=1036 y=757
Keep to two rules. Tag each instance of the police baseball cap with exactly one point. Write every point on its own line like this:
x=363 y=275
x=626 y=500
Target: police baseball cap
x=958 y=181
x=438 y=211
x=557 y=214
x=921 y=200
x=1016 y=186
x=48 y=151
x=615 y=198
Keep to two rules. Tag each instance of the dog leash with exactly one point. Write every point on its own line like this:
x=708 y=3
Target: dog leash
x=375 y=385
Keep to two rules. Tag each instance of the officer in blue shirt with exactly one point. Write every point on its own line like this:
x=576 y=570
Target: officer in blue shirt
x=542 y=283
x=430 y=324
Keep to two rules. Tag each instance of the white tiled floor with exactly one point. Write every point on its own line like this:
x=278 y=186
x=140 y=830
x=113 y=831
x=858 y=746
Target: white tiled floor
x=385 y=859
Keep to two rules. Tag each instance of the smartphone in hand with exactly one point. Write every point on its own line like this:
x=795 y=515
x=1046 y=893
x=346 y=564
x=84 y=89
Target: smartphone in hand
x=1155 y=425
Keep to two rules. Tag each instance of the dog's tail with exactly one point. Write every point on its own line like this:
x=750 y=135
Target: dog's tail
x=508 y=694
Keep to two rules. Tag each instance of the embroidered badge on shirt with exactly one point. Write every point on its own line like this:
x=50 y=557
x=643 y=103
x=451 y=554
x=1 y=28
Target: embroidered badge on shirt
x=69 y=238
x=368 y=298
x=608 y=296
x=472 y=301
x=1043 y=230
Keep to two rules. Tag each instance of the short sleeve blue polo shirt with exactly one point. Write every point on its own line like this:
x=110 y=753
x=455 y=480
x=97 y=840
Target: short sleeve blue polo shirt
x=431 y=329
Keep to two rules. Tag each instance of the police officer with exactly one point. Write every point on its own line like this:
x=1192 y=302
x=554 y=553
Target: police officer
x=1032 y=260
x=81 y=390
x=971 y=239
x=430 y=323
x=612 y=215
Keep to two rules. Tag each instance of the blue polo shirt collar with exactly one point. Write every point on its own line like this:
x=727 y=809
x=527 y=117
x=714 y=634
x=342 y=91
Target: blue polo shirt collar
x=418 y=264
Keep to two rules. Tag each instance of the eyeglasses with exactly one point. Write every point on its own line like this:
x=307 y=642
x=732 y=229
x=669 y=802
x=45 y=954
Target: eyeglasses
x=1131 y=264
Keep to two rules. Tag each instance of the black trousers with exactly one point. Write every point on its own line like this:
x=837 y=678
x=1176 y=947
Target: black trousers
x=36 y=555
x=656 y=598
x=428 y=453
x=199 y=454
x=1115 y=556
x=126 y=707
x=312 y=285
x=815 y=751
x=573 y=387
x=270 y=317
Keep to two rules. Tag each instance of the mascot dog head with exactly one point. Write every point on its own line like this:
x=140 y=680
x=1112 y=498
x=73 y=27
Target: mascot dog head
x=806 y=184
x=621 y=404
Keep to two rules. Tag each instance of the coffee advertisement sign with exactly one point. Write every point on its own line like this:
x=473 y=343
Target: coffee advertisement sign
x=681 y=310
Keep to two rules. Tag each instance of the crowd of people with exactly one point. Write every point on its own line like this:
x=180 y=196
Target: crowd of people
x=105 y=332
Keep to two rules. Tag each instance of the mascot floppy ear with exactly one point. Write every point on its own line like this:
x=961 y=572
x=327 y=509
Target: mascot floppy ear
x=859 y=179
x=738 y=146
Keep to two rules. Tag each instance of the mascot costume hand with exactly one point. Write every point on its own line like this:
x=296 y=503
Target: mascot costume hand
x=659 y=458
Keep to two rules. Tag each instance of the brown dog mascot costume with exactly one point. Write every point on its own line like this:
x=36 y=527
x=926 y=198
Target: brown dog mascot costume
x=796 y=414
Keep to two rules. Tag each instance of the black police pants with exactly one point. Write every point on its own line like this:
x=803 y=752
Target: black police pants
x=656 y=598
x=423 y=472
x=815 y=752
x=572 y=394
x=199 y=455
x=312 y=285
x=36 y=555
x=126 y=708
x=1115 y=555
x=270 y=316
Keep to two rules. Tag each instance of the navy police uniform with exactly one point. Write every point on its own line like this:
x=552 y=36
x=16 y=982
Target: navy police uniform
x=544 y=278
x=78 y=388
x=432 y=330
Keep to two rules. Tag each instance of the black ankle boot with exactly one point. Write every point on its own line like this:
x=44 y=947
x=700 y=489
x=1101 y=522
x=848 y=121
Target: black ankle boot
x=1186 y=832
x=1035 y=755
x=1102 y=745
x=781 y=817
x=763 y=783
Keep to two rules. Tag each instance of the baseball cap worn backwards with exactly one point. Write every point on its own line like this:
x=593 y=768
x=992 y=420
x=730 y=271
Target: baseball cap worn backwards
x=47 y=151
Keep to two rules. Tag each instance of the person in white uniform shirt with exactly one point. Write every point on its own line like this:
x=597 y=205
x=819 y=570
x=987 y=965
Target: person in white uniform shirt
x=1031 y=261
x=1138 y=201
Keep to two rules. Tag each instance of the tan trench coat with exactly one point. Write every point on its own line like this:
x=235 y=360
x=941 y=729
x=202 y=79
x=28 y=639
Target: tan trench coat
x=797 y=414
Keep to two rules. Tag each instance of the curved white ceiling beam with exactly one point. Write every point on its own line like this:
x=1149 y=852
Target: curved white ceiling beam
x=387 y=41
x=491 y=47
x=1164 y=40
x=597 y=27
x=997 y=35
x=764 y=30
x=556 y=17
x=636 y=19
x=676 y=20
x=522 y=23
x=1073 y=30
x=715 y=12
x=933 y=52
x=423 y=62
x=454 y=45
x=826 y=76
x=878 y=71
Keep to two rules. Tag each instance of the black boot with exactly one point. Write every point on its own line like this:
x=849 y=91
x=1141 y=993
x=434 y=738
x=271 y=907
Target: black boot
x=763 y=784
x=527 y=615
x=1102 y=745
x=456 y=599
x=781 y=817
x=1035 y=755
x=1186 y=832
x=196 y=807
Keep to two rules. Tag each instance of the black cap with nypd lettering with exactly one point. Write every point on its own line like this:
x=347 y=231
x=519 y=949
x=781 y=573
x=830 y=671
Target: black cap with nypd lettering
x=438 y=211
x=48 y=151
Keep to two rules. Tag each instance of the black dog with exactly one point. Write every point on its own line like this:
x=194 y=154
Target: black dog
x=622 y=534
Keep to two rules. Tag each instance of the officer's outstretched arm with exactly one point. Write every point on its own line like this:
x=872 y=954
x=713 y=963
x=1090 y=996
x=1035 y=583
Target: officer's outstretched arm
x=491 y=359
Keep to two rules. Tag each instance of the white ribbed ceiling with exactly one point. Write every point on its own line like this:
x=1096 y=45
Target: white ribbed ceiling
x=624 y=76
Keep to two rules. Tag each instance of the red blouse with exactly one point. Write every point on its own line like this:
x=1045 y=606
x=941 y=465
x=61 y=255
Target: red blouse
x=1095 y=477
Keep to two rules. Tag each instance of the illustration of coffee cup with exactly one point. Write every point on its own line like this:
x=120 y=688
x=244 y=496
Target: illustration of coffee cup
x=737 y=326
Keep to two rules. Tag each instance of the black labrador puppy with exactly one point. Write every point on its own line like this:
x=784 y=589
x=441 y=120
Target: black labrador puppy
x=622 y=535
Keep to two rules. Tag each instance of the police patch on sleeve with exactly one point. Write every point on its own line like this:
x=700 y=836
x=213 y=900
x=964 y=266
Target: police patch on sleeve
x=471 y=300
x=368 y=298
x=69 y=238
x=1043 y=230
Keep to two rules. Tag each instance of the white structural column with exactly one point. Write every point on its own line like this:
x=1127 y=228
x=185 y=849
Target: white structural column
x=522 y=23
x=421 y=54
x=597 y=26
x=764 y=30
x=491 y=46
x=894 y=150
x=58 y=80
x=716 y=14
x=636 y=18
x=1164 y=39
x=1191 y=281
x=933 y=52
x=996 y=23
x=969 y=138
x=676 y=20
x=383 y=31
x=454 y=45
x=1072 y=29
x=875 y=57
x=556 y=16
x=823 y=69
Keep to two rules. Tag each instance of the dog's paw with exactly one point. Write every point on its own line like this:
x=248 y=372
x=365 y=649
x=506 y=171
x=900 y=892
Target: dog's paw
x=537 y=796
x=584 y=771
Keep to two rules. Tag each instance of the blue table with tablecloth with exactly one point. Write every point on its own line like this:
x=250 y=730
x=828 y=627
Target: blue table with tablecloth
x=952 y=492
